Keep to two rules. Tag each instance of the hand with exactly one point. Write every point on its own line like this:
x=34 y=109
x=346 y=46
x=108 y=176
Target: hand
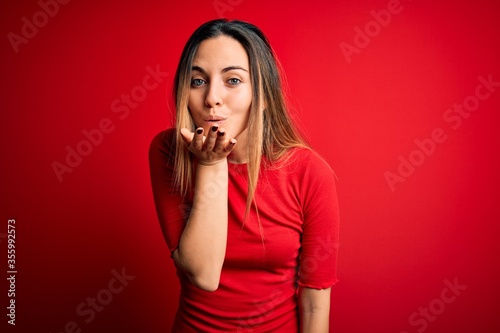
x=210 y=149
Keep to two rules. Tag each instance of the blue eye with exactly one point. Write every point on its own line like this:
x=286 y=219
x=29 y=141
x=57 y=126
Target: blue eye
x=197 y=82
x=234 y=81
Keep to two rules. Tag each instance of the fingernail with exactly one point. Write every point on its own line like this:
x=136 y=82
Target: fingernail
x=199 y=131
x=214 y=128
x=221 y=133
x=233 y=141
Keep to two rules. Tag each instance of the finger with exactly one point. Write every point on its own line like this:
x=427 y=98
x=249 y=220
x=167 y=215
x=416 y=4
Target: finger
x=186 y=135
x=197 y=142
x=211 y=137
x=230 y=146
x=221 y=140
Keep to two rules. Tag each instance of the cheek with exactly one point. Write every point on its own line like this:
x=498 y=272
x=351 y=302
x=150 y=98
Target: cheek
x=241 y=103
x=195 y=104
x=192 y=100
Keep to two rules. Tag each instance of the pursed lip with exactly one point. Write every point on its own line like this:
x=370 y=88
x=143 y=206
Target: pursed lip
x=214 y=120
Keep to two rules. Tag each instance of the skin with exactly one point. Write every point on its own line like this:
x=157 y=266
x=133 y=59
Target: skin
x=220 y=95
x=220 y=98
x=314 y=310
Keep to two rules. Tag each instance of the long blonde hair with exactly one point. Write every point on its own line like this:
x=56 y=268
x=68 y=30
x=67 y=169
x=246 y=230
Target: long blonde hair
x=271 y=131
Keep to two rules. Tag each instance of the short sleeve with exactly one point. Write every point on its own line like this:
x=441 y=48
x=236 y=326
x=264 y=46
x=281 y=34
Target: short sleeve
x=319 y=243
x=170 y=208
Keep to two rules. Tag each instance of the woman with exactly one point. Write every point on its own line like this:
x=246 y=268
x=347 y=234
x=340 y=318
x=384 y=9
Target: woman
x=247 y=209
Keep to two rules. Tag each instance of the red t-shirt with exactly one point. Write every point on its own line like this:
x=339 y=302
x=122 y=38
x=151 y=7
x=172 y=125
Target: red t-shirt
x=298 y=211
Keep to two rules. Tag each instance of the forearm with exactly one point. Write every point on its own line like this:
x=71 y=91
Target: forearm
x=314 y=322
x=314 y=309
x=202 y=246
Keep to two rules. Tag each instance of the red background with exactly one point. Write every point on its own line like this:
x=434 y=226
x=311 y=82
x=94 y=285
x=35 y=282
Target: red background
x=397 y=247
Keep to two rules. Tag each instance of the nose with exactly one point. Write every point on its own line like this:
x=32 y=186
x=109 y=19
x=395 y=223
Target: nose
x=213 y=97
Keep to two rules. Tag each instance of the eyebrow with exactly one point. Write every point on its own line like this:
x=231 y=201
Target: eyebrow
x=224 y=70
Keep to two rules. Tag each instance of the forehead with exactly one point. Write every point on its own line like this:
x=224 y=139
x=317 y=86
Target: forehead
x=220 y=52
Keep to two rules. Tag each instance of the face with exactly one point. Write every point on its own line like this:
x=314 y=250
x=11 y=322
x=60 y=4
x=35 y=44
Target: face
x=221 y=91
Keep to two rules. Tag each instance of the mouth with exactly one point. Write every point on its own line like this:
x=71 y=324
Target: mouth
x=215 y=120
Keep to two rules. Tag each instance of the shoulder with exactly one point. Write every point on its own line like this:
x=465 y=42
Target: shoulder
x=164 y=139
x=312 y=180
x=308 y=162
x=163 y=143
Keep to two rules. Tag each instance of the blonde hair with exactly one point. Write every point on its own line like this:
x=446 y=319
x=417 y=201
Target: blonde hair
x=270 y=127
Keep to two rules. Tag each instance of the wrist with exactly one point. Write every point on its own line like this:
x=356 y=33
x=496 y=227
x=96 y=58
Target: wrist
x=212 y=163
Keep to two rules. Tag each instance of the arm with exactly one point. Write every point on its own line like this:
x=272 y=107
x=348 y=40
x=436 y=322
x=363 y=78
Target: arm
x=202 y=246
x=314 y=308
x=318 y=257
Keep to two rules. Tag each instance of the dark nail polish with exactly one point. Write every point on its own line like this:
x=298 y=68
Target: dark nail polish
x=199 y=131
x=214 y=128
x=222 y=133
